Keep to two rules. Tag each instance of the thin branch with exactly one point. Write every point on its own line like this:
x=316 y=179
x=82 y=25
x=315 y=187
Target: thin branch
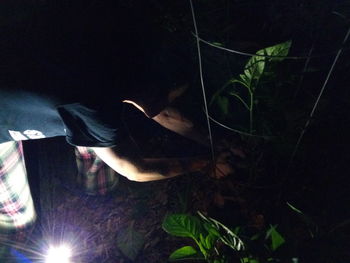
x=202 y=84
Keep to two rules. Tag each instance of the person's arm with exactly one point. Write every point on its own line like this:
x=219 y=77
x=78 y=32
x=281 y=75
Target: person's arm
x=169 y=117
x=172 y=119
x=145 y=170
x=151 y=107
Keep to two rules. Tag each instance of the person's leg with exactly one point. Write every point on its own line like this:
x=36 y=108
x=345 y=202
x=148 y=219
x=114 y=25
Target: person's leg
x=94 y=175
x=16 y=204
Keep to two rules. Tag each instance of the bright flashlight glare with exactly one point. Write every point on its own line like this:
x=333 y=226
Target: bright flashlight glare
x=60 y=254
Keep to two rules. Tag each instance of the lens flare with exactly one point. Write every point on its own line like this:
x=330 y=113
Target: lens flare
x=59 y=254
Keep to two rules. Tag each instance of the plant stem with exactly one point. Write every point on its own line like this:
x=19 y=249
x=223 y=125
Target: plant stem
x=201 y=248
x=251 y=112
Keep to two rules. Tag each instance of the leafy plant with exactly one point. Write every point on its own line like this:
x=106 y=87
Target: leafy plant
x=208 y=234
x=277 y=239
x=259 y=68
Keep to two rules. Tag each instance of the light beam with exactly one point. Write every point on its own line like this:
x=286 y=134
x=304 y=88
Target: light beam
x=58 y=254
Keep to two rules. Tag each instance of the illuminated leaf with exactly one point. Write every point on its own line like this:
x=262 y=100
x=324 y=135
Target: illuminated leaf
x=227 y=236
x=182 y=225
x=210 y=229
x=255 y=67
x=210 y=241
x=186 y=252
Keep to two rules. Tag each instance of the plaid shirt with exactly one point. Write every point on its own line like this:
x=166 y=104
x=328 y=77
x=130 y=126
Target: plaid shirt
x=93 y=174
x=16 y=204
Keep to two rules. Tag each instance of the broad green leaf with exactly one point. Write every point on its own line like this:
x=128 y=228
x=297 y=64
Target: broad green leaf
x=232 y=241
x=254 y=69
x=279 y=51
x=210 y=241
x=227 y=236
x=182 y=225
x=202 y=240
x=276 y=238
x=252 y=72
x=130 y=242
x=186 y=252
x=210 y=229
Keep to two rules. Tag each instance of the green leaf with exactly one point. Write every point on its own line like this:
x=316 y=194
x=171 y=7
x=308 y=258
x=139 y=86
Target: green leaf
x=279 y=51
x=249 y=260
x=276 y=238
x=182 y=225
x=294 y=208
x=210 y=229
x=227 y=236
x=202 y=240
x=253 y=70
x=130 y=242
x=186 y=252
x=210 y=241
x=255 y=67
x=217 y=44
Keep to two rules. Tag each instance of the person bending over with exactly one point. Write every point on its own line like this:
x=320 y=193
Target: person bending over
x=79 y=94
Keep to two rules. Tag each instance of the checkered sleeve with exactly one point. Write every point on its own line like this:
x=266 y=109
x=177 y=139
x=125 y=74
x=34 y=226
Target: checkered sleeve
x=16 y=204
x=94 y=175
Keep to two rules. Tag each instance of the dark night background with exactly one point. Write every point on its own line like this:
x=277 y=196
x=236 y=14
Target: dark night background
x=84 y=39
